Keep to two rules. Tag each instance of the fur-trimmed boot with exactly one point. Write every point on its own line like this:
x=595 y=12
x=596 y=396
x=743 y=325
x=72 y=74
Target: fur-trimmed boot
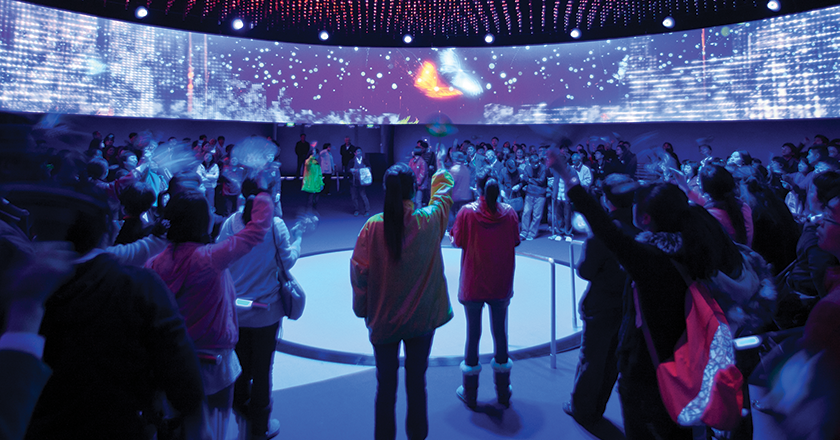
x=501 y=375
x=468 y=392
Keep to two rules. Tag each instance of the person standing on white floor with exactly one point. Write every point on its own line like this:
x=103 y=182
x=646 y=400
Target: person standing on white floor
x=400 y=290
x=487 y=231
x=327 y=167
x=358 y=188
x=255 y=277
x=535 y=190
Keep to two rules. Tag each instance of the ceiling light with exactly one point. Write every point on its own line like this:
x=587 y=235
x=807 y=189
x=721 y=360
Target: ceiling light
x=575 y=33
x=324 y=35
x=407 y=38
x=141 y=12
x=774 y=5
x=238 y=24
x=668 y=22
x=489 y=38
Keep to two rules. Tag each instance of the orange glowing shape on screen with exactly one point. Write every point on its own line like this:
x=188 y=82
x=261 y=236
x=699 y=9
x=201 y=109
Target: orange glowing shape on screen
x=428 y=81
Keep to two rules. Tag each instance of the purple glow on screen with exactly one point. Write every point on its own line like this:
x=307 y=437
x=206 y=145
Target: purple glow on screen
x=780 y=68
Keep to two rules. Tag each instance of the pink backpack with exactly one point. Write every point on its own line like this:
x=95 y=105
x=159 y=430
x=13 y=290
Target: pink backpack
x=700 y=385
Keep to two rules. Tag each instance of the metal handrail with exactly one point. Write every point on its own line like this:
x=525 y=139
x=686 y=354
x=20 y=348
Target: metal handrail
x=241 y=303
x=552 y=262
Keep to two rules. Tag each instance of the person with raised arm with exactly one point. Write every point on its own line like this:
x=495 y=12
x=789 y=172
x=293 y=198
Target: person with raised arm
x=400 y=290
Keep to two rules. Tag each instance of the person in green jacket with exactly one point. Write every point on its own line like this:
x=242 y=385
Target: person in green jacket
x=313 y=179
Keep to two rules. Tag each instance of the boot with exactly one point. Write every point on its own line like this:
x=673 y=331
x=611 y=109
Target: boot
x=262 y=426
x=501 y=375
x=468 y=392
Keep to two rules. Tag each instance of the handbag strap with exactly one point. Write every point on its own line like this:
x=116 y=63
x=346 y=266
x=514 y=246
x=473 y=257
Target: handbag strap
x=277 y=258
x=641 y=322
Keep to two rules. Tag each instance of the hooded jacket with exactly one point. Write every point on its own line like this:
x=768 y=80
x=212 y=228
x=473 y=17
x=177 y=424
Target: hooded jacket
x=487 y=240
x=198 y=275
x=409 y=298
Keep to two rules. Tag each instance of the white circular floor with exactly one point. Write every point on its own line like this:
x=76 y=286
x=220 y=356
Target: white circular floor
x=328 y=322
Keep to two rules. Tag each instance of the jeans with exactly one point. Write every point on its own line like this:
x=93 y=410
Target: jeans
x=563 y=216
x=387 y=364
x=359 y=192
x=532 y=214
x=255 y=350
x=498 y=326
x=210 y=194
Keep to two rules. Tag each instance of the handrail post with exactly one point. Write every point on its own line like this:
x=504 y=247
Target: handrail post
x=553 y=344
x=574 y=291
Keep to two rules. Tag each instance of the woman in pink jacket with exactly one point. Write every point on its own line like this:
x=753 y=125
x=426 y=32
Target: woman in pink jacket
x=488 y=232
x=197 y=274
x=399 y=288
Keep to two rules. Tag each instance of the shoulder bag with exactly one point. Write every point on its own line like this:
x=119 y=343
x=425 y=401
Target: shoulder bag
x=292 y=295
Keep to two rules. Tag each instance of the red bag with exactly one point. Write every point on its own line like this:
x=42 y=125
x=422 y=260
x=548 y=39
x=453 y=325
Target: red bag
x=700 y=385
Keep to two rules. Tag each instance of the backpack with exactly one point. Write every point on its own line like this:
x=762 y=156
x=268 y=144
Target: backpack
x=699 y=385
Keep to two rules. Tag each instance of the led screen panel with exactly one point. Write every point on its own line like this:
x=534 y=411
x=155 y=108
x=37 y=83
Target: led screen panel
x=780 y=68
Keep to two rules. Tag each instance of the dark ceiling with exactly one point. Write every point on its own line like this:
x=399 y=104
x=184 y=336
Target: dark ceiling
x=439 y=23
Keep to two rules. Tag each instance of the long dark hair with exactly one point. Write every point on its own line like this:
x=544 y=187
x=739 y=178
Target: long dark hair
x=706 y=248
x=399 y=186
x=189 y=218
x=719 y=184
x=489 y=188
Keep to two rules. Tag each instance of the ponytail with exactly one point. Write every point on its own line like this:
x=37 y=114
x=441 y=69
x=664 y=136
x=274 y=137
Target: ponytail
x=399 y=186
x=489 y=187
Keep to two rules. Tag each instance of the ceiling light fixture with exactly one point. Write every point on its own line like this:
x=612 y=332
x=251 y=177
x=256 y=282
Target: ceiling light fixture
x=489 y=38
x=668 y=22
x=774 y=5
x=141 y=12
x=324 y=35
x=575 y=33
x=407 y=39
x=238 y=24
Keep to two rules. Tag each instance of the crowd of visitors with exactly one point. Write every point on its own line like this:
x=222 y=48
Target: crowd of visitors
x=165 y=236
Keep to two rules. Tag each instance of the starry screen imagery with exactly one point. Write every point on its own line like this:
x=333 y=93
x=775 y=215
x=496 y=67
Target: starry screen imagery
x=53 y=61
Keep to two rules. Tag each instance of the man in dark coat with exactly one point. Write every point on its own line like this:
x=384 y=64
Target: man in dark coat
x=601 y=308
x=302 y=152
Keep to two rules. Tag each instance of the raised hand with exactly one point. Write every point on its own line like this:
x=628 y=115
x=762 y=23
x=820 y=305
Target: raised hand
x=558 y=162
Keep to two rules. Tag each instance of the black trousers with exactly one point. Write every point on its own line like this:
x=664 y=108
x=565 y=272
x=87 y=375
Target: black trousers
x=255 y=350
x=644 y=414
x=597 y=369
x=417 y=352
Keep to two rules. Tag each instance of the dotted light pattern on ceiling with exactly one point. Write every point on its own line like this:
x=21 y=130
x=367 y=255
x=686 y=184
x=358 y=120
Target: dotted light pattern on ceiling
x=457 y=22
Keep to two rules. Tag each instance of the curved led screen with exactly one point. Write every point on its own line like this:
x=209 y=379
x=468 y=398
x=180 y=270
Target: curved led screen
x=59 y=62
